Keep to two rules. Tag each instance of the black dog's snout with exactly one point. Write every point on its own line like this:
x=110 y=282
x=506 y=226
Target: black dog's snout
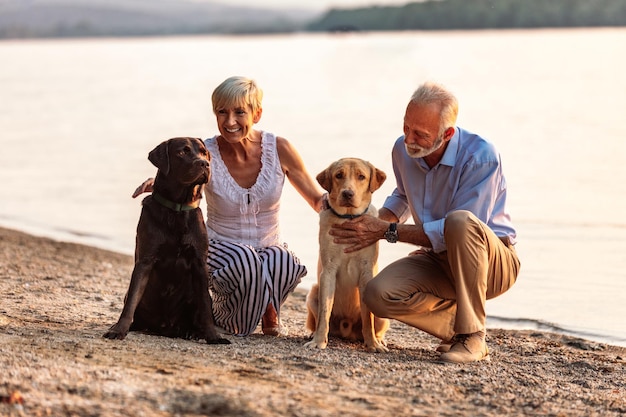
x=203 y=163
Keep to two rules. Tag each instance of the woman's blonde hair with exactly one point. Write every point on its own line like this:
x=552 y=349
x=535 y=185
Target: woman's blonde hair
x=237 y=92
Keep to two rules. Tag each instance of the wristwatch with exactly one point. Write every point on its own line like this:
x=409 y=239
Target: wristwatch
x=392 y=233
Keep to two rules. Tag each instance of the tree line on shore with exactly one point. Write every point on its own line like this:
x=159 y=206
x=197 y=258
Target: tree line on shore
x=476 y=14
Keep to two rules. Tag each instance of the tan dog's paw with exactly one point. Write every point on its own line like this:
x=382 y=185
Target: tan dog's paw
x=317 y=343
x=377 y=347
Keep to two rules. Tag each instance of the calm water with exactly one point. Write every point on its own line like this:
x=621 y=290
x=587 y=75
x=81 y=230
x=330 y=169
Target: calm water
x=78 y=118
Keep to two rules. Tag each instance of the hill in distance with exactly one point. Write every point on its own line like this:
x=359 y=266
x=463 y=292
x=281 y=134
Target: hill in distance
x=61 y=18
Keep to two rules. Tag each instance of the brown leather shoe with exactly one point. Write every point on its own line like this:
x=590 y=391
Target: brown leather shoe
x=444 y=346
x=467 y=348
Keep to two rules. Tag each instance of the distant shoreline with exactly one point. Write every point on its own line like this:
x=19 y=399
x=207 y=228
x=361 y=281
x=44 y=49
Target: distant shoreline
x=332 y=31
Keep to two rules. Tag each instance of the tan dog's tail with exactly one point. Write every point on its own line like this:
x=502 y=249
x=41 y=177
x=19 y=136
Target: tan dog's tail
x=311 y=322
x=345 y=328
x=349 y=329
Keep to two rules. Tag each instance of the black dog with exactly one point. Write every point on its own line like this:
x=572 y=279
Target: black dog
x=168 y=293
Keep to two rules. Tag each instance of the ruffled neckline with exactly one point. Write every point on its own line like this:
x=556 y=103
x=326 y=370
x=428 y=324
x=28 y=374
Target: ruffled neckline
x=263 y=181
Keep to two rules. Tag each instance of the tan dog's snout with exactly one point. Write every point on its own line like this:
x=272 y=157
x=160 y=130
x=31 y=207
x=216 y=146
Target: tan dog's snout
x=347 y=198
x=347 y=194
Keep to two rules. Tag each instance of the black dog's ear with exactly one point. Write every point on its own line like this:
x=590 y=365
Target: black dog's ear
x=160 y=158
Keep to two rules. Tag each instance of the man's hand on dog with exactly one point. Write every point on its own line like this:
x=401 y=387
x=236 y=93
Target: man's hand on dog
x=359 y=233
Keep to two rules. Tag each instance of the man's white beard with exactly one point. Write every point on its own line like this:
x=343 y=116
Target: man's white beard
x=418 y=152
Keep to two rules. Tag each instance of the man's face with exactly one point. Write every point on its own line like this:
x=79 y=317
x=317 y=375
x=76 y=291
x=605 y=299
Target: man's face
x=421 y=129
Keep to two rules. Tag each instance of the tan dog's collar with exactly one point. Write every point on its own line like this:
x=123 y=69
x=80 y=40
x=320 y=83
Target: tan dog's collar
x=348 y=216
x=175 y=206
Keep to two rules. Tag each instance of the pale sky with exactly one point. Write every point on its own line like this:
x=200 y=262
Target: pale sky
x=314 y=4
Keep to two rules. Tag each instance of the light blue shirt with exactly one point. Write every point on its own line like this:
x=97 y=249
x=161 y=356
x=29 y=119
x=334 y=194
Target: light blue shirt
x=468 y=177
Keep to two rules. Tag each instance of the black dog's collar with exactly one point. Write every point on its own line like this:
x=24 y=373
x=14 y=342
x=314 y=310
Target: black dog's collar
x=348 y=216
x=175 y=206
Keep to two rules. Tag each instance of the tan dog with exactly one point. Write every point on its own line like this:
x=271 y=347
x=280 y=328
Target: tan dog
x=334 y=304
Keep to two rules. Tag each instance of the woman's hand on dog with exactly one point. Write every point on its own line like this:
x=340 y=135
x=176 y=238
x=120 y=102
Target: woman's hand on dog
x=145 y=187
x=359 y=233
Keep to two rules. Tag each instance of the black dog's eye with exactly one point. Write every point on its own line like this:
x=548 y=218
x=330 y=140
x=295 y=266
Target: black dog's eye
x=184 y=151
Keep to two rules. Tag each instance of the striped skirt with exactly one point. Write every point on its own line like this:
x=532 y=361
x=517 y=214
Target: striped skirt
x=244 y=280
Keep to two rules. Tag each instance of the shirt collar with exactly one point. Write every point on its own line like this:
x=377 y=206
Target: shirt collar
x=449 y=156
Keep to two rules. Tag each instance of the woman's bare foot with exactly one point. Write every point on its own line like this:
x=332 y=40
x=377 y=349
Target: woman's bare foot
x=271 y=324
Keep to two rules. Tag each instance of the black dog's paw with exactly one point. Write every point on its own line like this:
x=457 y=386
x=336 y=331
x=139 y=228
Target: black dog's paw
x=119 y=330
x=211 y=339
x=218 y=341
x=113 y=335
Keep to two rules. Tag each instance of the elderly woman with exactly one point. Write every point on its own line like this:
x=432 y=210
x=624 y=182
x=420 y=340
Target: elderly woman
x=251 y=270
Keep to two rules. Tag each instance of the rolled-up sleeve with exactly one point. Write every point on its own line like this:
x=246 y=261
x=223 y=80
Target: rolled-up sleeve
x=398 y=205
x=434 y=231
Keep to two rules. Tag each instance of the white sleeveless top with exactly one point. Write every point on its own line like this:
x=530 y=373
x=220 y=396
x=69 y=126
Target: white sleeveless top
x=245 y=215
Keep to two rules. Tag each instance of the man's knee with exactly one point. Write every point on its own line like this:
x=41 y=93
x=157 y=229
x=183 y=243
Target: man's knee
x=458 y=220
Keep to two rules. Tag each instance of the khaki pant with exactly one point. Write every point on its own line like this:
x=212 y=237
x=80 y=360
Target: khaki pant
x=444 y=293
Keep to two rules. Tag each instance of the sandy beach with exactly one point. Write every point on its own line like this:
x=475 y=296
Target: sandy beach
x=59 y=298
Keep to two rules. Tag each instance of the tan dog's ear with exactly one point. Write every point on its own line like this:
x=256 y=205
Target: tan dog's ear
x=324 y=178
x=377 y=178
x=160 y=158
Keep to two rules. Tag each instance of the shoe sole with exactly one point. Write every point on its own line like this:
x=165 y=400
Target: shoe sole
x=486 y=358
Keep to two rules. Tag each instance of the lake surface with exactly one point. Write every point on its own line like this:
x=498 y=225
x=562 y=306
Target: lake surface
x=78 y=118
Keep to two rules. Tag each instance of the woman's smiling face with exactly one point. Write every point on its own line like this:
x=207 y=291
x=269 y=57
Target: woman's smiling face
x=236 y=123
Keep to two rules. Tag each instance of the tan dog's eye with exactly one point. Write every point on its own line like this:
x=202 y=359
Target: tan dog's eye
x=339 y=175
x=362 y=177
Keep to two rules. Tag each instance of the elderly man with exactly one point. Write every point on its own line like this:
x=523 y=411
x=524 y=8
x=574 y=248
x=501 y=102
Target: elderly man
x=451 y=182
